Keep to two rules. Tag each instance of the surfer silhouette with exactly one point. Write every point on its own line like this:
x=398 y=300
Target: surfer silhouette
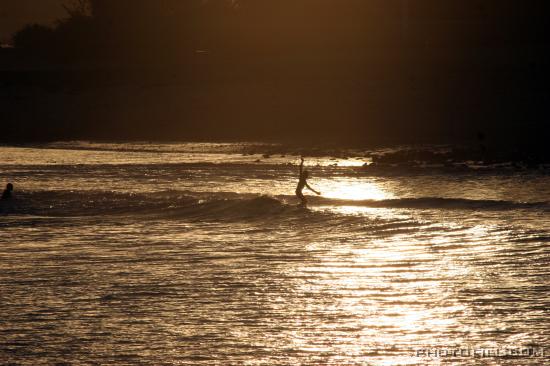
x=304 y=175
x=6 y=195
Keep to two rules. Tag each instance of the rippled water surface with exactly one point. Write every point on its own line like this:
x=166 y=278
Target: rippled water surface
x=191 y=254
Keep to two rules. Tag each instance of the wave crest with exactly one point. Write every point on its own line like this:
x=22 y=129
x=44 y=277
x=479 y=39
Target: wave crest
x=219 y=205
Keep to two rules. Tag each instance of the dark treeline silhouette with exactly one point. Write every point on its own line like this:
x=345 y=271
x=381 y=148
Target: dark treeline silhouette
x=362 y=71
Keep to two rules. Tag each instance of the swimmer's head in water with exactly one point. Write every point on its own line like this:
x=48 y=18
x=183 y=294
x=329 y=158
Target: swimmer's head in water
x=9 y=187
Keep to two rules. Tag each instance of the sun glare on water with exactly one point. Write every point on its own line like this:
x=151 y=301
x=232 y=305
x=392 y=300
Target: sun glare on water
x=354 y=190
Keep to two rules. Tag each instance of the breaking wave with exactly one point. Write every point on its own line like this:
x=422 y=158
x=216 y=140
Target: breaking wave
x=225 y=205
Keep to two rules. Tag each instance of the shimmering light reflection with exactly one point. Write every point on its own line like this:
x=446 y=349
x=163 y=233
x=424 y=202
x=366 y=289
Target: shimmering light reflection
x=119 y=257
x=381 y=292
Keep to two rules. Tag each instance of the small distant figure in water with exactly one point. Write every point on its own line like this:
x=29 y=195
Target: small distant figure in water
x=6 y=195
x=304 y=175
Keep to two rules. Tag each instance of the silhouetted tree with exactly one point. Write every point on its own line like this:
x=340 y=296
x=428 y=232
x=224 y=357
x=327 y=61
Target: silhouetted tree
x=78 y=8
x=33 y=36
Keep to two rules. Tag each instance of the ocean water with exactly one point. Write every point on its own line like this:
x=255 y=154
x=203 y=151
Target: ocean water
x=196 y=254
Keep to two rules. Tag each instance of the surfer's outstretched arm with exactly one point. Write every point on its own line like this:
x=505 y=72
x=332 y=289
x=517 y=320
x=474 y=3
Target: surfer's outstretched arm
x=301 y=165
x=313 y=190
